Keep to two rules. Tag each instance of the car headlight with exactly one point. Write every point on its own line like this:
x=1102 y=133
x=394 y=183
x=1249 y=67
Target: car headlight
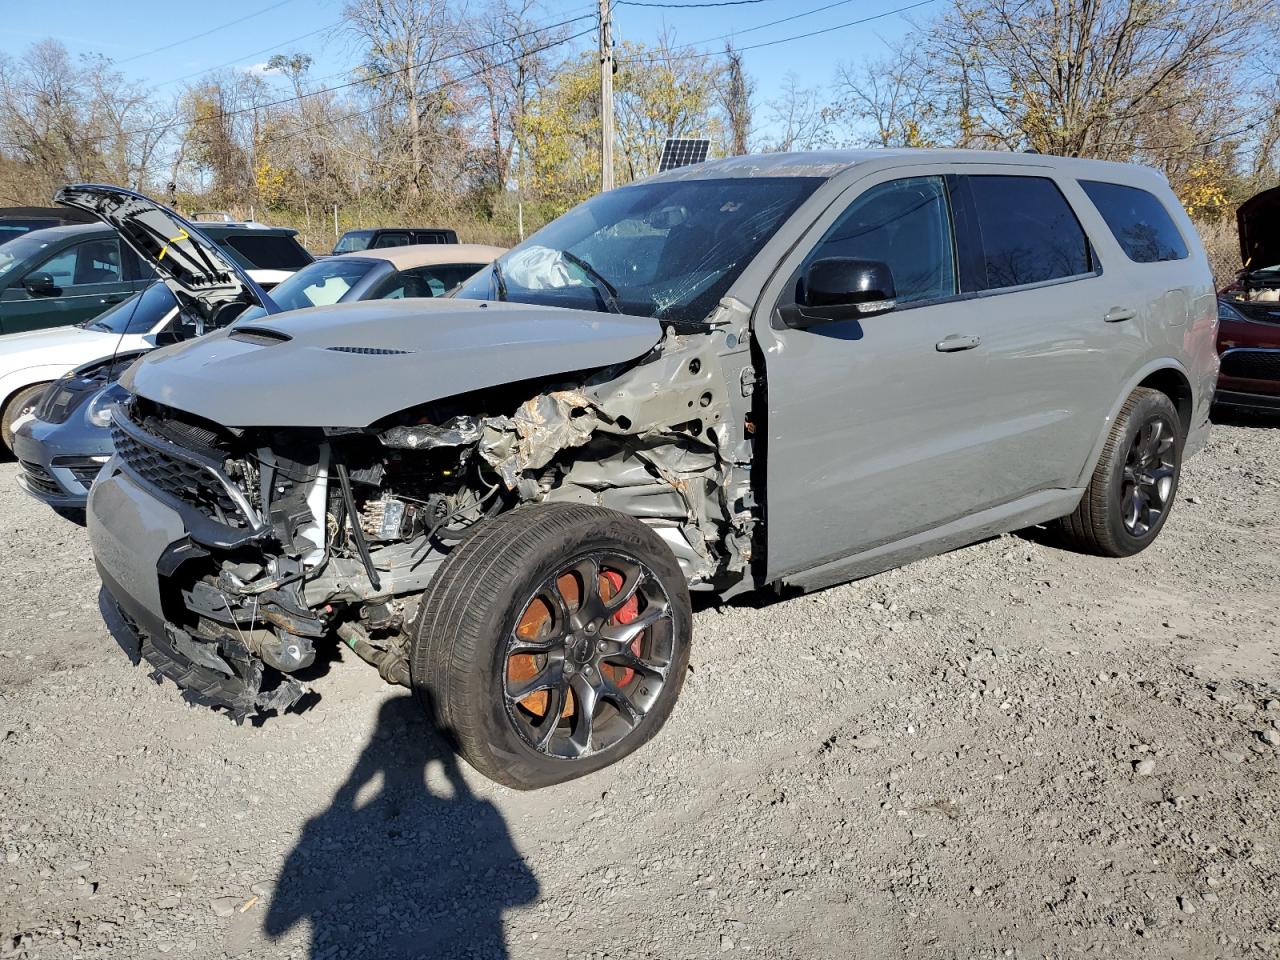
x=100 y=406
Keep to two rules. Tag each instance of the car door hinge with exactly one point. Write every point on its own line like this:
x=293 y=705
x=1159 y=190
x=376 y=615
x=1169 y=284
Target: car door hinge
x=749 y=381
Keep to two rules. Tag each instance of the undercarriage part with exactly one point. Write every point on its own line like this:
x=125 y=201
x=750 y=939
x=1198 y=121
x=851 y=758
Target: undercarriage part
x=288 y=653
x=391 y=661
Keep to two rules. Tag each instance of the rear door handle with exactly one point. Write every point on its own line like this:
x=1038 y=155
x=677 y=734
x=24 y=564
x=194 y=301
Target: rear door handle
x=957 y=342
x=1119 y=314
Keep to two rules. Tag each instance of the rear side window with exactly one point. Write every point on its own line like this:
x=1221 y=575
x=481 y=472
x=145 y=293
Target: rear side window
x=1139 y=222
x=905 y=224
x=1029 y=232
x=269 y=251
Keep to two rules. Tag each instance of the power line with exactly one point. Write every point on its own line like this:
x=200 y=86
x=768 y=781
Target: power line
x=198 y=36
x=667 y=57
x=774 y=23
x=244 y=56
x=330 y=121
x=373 y=78
x=685 y=6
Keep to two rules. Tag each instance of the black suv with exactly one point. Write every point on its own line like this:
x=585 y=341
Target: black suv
x=354 y=240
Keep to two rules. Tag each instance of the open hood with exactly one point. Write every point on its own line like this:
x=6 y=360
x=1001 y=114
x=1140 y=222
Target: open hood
x=1259 y=221
x=352 y=364
x=206 y=282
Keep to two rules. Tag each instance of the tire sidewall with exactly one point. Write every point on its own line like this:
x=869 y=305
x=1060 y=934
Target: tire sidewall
x=1147 y=408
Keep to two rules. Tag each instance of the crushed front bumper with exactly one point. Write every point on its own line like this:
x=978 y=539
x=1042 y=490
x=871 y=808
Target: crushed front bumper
x=137 y=541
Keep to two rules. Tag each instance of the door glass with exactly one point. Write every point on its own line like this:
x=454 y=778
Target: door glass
x=905 y=224
x=392 y=240
x=94 y=261
x=433 y=281
x=1029 y=232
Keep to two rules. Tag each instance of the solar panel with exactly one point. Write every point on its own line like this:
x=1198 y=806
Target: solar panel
x=682 y=153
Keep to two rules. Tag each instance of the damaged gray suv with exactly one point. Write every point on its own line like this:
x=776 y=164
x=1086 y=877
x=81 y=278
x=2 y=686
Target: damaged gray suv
x=787 y=370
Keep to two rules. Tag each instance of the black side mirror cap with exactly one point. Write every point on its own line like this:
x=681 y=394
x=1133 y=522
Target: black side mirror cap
x=40 y=284
x=841 y=288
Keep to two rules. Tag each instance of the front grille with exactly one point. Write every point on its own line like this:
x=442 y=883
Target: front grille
x=84 y=469
x=40 y=479
x=1252 y=364
x=193 y=484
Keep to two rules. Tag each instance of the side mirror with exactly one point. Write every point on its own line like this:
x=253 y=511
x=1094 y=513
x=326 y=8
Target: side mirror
x=841 y=288
x=40 y=284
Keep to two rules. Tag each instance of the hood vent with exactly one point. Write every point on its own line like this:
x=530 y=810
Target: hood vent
x=371 y=351
x=259 y=335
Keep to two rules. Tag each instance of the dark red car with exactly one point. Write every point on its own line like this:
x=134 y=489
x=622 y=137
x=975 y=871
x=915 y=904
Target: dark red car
x=1249 y=311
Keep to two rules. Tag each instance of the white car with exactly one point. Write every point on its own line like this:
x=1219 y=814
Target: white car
x=30 y=361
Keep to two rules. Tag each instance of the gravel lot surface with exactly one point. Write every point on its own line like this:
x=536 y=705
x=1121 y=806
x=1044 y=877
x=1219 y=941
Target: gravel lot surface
x=1008 y=751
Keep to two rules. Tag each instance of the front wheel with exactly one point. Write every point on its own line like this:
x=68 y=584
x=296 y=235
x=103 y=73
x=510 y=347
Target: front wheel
x=1135 y=482
x=23 y=402
x=553 y=642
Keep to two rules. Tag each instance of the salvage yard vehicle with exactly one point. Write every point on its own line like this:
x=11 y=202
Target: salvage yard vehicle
x=1249 y=311
x=64 y=276
x=31 y=361
x=786 y=370
x=66 y=440
x=18 y=220
x=353 y=241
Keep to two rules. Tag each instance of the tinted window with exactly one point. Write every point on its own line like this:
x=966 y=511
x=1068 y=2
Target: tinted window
x=1029 y=232
x=1140 y=223
x=905 y=224
x=15 y=252
x=353 y=240
x=269 y=251
x=93 y=261
x=315 y=285
x=670 y=248
x=139 y=314
x=392 y=240
x=432 y=281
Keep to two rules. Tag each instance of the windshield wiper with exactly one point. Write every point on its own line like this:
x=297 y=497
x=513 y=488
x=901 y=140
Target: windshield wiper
x=610 y=291
x=499 y=281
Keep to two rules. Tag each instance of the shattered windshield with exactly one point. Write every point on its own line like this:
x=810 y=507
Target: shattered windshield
x=666 y=250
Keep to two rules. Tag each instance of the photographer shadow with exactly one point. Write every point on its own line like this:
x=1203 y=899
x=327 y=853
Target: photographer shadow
x=406 y=862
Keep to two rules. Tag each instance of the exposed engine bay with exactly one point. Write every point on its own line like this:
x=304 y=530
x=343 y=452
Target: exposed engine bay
x=299 y=535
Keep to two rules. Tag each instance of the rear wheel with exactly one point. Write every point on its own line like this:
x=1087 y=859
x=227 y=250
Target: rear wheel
x=24 y=401
x=1135 y=482
x=553 y=643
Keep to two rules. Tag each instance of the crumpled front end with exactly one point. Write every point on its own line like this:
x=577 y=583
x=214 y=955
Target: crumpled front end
x=236 y=555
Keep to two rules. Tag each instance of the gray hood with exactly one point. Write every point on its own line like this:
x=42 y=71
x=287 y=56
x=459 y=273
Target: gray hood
x=352 y=364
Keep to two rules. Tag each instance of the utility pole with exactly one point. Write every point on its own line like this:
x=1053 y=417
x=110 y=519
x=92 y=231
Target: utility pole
x=606 y=96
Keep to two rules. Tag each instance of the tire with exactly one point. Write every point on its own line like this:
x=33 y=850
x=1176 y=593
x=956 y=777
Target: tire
x=1101 y=523
x=500 y=618
x=25 y=399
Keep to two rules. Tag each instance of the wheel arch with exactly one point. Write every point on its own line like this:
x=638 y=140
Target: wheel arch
x=1166 y=375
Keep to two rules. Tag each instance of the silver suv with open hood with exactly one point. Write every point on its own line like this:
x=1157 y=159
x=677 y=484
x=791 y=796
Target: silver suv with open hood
x=786 y=371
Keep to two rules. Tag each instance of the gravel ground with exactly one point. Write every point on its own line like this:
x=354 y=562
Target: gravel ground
x=1008 y=751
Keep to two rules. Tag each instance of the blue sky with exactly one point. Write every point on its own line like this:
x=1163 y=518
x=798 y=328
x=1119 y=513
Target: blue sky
x=154 y=47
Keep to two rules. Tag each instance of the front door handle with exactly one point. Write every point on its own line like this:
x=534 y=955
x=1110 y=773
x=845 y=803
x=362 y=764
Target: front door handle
x=1119 y=314
x=957 y=342
x=113 y=298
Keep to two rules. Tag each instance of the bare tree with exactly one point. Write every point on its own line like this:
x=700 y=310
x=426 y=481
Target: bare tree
x=735 y=100
x=406 y=43
x=797 y=117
